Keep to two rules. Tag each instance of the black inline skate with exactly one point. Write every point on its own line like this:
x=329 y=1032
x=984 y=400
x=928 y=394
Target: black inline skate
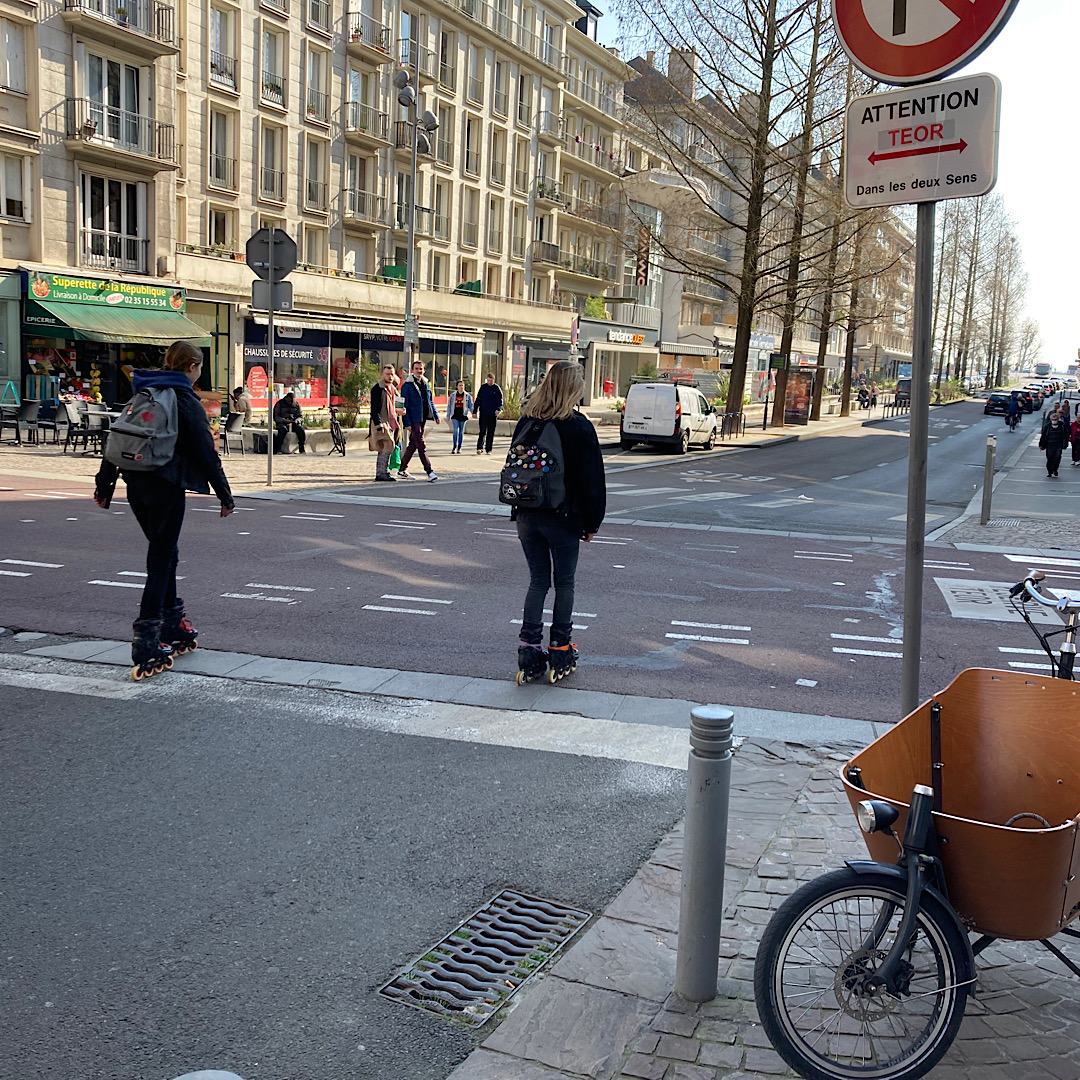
x=149 y=655
x=532 y=662
x=562 y=661
x=177 y=631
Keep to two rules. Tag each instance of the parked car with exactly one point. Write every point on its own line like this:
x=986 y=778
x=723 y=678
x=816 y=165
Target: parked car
x=1038 y=396
x=1070 y=382
x=669 y=414
x=1027 y=401
x=996 y=405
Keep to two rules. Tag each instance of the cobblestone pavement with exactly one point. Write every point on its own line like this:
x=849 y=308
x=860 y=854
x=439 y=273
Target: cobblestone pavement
x=1057 y=533
x=606 y=1010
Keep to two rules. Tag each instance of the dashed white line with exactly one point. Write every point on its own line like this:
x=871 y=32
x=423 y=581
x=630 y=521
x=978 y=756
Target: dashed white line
x=26 y=562
x=868 y=652
x=836 y=554
x=616 y=543
x=861 y=637
x=36 y=495
x=140 y=573
x=15 y=573
x=1029 y=665
x=399 y=610
x=1024 y=652
x=397 y=525
x=824 y=558
x=320 y=514
x=284 y=588
x=1032 y=561
x=406 y=521
x=703 y=637
x=71 y=494
x=710 y=626
x=297 y=517
x=414 y=599
x=117 y=584
x=575 y=626
x=846 y=476
x=260 y=596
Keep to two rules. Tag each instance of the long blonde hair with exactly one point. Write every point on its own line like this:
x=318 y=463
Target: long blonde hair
x=561 y=389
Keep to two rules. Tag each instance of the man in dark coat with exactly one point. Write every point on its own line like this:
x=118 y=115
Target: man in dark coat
x=1054 y=440
x=288 y=417
x=488 y=405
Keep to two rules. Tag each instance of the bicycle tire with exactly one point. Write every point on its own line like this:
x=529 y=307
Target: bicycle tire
x=865 y=1026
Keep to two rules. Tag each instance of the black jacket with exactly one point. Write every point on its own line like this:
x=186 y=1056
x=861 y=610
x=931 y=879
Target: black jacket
x=586 y=492
x=195 y=465
x=489 y=400
x=287 y=413
x=1054 y=438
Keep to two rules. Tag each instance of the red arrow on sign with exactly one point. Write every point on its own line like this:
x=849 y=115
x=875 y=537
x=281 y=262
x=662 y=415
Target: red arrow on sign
x=918 y=151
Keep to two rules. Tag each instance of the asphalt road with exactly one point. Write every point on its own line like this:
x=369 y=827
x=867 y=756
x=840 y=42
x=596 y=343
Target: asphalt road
x=811 y=626
x=218 y=875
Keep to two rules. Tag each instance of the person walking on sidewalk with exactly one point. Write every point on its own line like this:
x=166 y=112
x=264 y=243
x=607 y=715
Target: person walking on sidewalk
x=458 y=406
x=419 y=409
x=489 y=403
x=550 y=539
x=156 y=498
x=384 y=418
x=1054 y=440
x=289 y=417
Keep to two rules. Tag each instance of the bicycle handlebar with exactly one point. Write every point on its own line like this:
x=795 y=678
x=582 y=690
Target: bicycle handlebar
x=1028 y=589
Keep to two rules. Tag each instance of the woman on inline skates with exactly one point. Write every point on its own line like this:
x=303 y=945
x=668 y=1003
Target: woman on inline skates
x=550 y=537
x=156 y=499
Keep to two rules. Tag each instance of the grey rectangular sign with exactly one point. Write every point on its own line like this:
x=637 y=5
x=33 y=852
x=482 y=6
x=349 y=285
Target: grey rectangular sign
x=988 y=600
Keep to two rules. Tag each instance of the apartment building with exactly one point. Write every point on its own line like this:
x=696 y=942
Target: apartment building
x=143 y=143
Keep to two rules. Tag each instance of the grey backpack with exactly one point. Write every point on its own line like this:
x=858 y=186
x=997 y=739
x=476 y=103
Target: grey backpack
x=143 y=437
x=533 y=477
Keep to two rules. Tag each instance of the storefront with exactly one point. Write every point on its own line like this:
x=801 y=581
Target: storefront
x=683 y=356
x=301 y=365
x=10 y=311
x=613 y=355
x=532 y=356
x=84 y=336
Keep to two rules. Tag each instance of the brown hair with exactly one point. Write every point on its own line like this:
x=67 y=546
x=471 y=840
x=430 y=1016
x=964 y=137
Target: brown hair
x=562 y=388
x=181 y=355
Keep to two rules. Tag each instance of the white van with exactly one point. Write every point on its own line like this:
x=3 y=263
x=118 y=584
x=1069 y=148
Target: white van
x=667 y=413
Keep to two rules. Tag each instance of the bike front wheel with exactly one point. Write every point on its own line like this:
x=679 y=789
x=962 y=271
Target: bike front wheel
x=810 y=981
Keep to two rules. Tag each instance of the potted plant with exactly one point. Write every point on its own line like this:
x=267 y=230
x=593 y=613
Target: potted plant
x=122 y=15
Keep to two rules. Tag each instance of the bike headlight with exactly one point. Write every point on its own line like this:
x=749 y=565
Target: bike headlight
x=876 y=816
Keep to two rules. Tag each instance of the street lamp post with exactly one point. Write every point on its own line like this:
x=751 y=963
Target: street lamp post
x=406 y=83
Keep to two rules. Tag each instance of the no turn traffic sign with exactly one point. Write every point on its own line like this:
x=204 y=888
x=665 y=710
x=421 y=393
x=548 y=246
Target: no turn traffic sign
x=912 y=41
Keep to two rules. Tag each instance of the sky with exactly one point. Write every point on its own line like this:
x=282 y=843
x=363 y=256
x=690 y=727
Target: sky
x=1039 y=158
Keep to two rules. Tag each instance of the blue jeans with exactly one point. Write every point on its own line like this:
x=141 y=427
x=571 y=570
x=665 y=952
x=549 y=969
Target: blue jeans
x=550 y=544
x=459 y=432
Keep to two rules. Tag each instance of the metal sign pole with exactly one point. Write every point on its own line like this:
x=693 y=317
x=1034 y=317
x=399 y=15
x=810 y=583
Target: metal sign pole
x=918 y=441
x=270 y=371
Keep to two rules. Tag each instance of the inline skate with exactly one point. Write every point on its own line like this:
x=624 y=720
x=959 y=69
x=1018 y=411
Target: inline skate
x=177 y=631
x=562 y=661
x=149 y=655
x=532 y=662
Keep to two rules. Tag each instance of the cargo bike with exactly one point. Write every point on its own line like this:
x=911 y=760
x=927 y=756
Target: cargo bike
x=970 y=811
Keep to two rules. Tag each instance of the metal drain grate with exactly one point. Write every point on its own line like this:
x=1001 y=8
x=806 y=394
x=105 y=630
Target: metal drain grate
x=474 y=970
x=1004 y=523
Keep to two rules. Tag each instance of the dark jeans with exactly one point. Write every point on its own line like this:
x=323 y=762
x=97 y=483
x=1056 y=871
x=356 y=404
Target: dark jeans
x=487 y=431
x=1076 y=450
x=1053 y=460
x=550 y=543
x=416 y=446
x=158 y=507
x=283 y=430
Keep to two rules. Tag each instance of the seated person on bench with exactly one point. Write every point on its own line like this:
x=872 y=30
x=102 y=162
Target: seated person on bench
x=288 y=417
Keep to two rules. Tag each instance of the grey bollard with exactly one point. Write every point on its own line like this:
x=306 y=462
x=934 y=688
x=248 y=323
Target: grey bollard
x=701 y=906
x=988 y=478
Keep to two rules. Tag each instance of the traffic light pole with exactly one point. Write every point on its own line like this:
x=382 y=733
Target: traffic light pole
x=270 y=372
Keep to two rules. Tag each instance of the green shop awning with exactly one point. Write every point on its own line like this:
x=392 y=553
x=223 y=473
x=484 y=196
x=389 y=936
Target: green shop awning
x=122 y=326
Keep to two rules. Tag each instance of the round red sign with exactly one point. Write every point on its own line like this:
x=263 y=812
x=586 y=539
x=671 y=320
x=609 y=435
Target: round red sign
x=257 y=381
x=913 y=41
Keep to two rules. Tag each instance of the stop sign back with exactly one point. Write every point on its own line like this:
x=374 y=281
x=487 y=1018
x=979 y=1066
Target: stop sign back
x=912 y=41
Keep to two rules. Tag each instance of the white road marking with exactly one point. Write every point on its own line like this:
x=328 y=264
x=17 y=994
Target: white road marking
x=260 y=596
x=399 y=610
x=14 y=573
x=806 y=682
x=648 y=491
x=1024 y=652
x=26 y=521
x=846 y=476
x=575 y=614
x=1029 y=665
x=1030 y=560
x=25 y=562
x=618 y=566
x=320 y=514
x=140 y=573
x=823 y=558
x=712 y=496
x=72 y=494
x=117 y=584
x=702 y=637
x=575 y=626
x=284 y=588
x=297 y=517
x=771 y=504
x=853 y=620
x=838 y=554
x=68 y=684
x=862 y=637
x=947 y=566
x=869 y=652
x=35 y=495
x=615 y=543
x=414 y=599
x=903 y=517
x=394 y=525
x=406 y=521
x=710 y=626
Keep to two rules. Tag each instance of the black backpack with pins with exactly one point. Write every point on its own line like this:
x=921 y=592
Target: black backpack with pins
x=534 y=477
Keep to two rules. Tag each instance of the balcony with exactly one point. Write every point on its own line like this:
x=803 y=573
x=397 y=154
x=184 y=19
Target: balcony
x=447 y=76
x=586 y=266
x=607 y=216
x=279 y=7
x=549 y=127
x=472 y=162
x=695 y=286
x=318 y=106
x=316 y=195
x=223 y=70
x=363 y=210
x=710 y=248
x=548 y=190
x=272 y=185
x=115 y=136
x=495 y=241
x=417 y=57
x=318 y=15
x=498 y=172
x=144 y=27
x=470 y=233
x=425 y=218
x=368 y=40
x=273 y=88
x=543 y=50
x=366 y=125
x=483 y=14
x=100 y=249
x=222 y=173
x=546 y=254
x=596 y=157
x=474 y=90
x=592 y=95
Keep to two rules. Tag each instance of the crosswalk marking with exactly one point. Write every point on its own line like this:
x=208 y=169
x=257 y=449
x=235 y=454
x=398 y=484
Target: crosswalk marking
x=575 y=626
x=36 y=495
x=709 y=626
x=26 y=562
x=284 y=588
x=15 y=573
x=868 y=652
x=398 y=610
x=861 y=637
x=414 y=599
x=398 y=525
x=261 y=596
x=117 y=584
x=304 y=517
x=406 y=521
x=703 y=637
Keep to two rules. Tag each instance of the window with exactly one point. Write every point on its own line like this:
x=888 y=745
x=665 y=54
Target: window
x=550 y=51
x=274 y=53
x=113 y=224
x=12 y=56
x=118 y=105
x=316 y=195
x=495 y=226
x=498 y=156
x=524 y=104
x=442 y=200
x=440 y=266
x=472 y=145
x=222 y=158
x=12 y=182
x=318 y=14
x=444 y=136
x=223 y=48
x=522 y=157
x=517 y=231
x=474 y=90
x=516 y=285
x=318 y=100
x=499 y=94
x=221 y=231
x=272 y=171
x=470 y=219
x=315 y=246
x=467 y=270
x=448 y=60
x=493 y=279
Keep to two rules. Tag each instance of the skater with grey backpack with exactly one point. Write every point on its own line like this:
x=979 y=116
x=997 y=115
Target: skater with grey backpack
x=553 y=481
x=161 y=444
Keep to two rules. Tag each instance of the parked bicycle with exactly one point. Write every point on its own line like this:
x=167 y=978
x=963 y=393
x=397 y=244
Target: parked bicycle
x=866 y=971
x=336 y=434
